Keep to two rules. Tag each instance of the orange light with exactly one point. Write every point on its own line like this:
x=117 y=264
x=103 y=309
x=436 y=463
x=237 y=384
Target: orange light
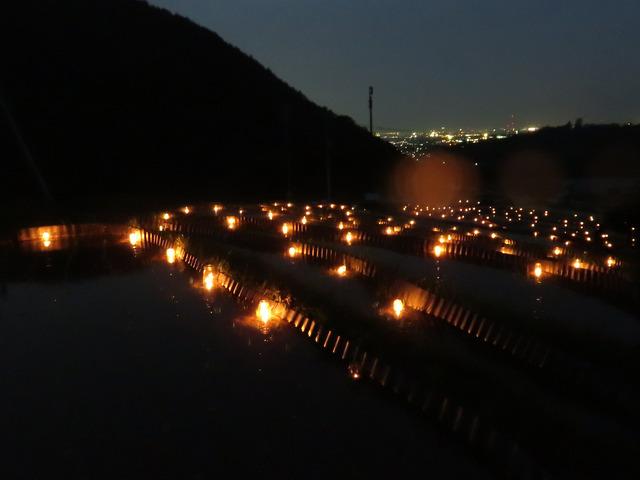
x=134 y=238
x=186 y=210
x=340 y=226
x=342 y=270
x=398 y=307
x=349 y=238
x=537 y=270
x=437 y=250
x=166 y=216
x=46 y=239
x=611 y=262
x=264 y=311
x=577 y=263
x=232 y=222
x=285 y=229
x=293 y=251
x=208 y=277
x=304 y=220
x=171 y=255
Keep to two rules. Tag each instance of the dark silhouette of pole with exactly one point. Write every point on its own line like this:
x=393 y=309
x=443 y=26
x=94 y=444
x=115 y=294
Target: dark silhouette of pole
x=371 y=110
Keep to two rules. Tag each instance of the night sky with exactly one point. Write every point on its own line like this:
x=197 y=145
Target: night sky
x=452 y=63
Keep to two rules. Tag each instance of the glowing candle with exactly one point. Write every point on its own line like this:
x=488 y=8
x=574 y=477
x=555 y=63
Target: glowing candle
x=398 y=307
x=537 y=270
x=264 y=311
x=134 y=238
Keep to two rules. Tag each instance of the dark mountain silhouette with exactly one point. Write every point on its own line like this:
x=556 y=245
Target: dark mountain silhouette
x=116 y=99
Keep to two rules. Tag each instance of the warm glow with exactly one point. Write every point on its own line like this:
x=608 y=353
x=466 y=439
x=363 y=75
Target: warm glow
x=577 y=263
x=342 y=270
x=270 y=215
x=46 y=239
x=285 y=228
x=208 y=281
x=611 y=262
x=264 y=311
x=304 y=220
x=437 y=250
x=232 y=222
x=216 y=209
x=557 y=251
x=208 y=277
x=398 y=307
x=388 y=231
x=134 y=238
x=340 y=226
x=186 y=210
x=166 y=216
x=293 y=251
x=171 y=255
x=537 y=270
x=349 y=238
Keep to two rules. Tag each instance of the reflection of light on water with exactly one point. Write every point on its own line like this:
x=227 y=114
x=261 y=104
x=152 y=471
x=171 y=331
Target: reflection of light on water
x=398 y=307
x=171 y=255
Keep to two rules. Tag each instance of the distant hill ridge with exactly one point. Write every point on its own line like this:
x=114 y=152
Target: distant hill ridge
x=117 y=98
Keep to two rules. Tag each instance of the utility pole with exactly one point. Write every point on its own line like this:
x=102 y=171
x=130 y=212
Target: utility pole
x=371 y=110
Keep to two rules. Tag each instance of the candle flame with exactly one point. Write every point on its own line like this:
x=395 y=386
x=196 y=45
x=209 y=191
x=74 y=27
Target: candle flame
x=398 y=307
